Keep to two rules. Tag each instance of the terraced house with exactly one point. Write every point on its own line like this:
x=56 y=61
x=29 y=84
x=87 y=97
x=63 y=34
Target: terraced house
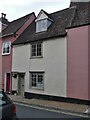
x=10 y=31
x=51 y=57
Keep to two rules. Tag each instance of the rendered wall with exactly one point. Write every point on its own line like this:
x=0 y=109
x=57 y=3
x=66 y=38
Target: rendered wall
x=53 y=64
x=0 y=63
x=77 y=76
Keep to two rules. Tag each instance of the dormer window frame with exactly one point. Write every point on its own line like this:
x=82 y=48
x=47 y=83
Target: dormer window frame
x=42 y=22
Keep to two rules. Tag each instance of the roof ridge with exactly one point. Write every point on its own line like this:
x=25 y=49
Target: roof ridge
x=17 y=24
x=23 y=17
x=59 y=11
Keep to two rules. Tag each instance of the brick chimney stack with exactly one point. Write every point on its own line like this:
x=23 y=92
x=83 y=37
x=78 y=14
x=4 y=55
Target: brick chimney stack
x=78 y=2
x=3 y=15
x=3 y=21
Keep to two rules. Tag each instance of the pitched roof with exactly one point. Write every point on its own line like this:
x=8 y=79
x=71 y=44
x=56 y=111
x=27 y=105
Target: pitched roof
x=76 y=15
x=57 y=28
x=15 y=25
x=82 y=16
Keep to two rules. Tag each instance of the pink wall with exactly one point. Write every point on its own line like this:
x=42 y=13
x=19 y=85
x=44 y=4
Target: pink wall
x=77 y=75
x=89 y=62
x=0 y=62
x=7 y=59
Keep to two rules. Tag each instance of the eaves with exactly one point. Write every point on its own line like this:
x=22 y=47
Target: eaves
x=6 y=35
x=43 y=39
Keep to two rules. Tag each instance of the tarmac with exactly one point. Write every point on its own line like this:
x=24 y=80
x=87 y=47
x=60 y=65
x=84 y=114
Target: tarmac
x=79 y=109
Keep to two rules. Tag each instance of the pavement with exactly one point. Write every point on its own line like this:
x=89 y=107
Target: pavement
x=57 y=105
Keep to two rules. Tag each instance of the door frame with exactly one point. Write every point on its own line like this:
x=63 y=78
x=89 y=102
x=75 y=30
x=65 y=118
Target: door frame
x=20 y=90
x=5 y=81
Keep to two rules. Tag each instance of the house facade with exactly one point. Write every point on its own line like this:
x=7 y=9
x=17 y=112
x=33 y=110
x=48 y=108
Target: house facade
x=40 y=68
x=44 y=63
x=7 y=36
x=3 y=24
x=78 y=53
x=51 y=57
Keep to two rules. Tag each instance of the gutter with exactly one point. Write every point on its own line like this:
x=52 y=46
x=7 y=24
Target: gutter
x=6 y=35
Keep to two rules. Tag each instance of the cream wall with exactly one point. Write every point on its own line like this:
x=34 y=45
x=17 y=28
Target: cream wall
x=20 y=62
x=53 y=64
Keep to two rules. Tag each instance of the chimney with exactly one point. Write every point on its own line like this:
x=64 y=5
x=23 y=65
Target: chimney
x=3 y=15
x=3 y=21
x=77 y=2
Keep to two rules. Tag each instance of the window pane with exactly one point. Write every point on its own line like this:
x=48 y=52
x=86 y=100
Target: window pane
x=33 y=49
x=37 y=80
x=3 y=50
x=38 y=49
x=33 y=80
x=40 y=78
x=6 y=47
x=43 y=25
x=38 y=26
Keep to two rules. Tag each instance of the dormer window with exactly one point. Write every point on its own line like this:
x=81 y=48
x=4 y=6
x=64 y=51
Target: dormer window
x=42 y=22
x=41 y=25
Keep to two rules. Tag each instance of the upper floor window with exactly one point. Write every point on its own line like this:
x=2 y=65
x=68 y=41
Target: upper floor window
x=36 y=50
x=6 y=48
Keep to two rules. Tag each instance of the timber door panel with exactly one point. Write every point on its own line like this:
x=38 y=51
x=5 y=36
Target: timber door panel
x=21 y=85
x=8 y=76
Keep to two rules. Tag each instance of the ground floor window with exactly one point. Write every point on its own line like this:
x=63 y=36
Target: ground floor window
x=37 y=80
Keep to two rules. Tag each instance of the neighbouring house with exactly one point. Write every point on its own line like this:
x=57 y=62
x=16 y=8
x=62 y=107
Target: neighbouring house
x=7 y=36
x=78 y=53
x=3 y=24
x=50 y=58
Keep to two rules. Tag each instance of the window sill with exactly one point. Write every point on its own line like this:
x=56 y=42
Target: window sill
x=5 y=54
x=36 y=88
x=36 y=57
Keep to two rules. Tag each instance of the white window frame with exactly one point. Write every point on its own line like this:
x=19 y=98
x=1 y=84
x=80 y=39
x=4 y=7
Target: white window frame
x=37 y=85
x=36 y=52
x=3 y=46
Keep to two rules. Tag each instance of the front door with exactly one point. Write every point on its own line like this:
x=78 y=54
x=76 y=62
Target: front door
x=21 y=84
x=8 y=77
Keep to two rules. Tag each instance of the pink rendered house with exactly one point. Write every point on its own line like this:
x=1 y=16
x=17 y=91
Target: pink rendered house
x=10 y=32
x=78 y=63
